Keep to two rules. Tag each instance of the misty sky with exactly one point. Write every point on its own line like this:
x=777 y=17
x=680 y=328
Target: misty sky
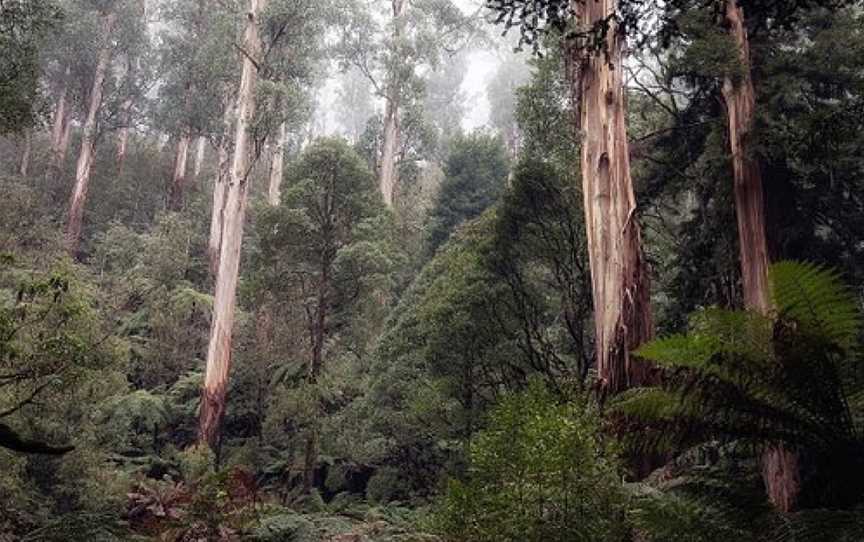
x=482 y=64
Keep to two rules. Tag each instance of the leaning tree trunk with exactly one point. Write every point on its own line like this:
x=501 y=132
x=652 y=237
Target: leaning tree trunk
x=88 y=141
x=178 y=178
x=620 y=285
x=387 y=174
x=233 y=215
x=220 y=185
x=277 y=166
x=780 y=469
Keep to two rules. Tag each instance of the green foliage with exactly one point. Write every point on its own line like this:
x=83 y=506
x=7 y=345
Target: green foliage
x=741 y=377
x=23 y=28
x=285 y=527
x=474 y=178
x=386 y=485
x=540 y=471
x=817 y=301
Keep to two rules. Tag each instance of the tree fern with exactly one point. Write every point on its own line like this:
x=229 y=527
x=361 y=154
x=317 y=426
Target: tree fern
x=741 y=377
x=817 y=299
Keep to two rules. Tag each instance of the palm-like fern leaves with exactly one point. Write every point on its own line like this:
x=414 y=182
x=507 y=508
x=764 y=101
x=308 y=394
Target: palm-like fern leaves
x=817 y=299
x=743 y=377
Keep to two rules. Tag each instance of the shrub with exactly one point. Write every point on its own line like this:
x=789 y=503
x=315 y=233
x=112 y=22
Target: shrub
x=387 y=485
x=540 y=472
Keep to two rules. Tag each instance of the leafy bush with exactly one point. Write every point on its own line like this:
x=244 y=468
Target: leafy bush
x=388 y=484
x=285 y=527
x=540 y=472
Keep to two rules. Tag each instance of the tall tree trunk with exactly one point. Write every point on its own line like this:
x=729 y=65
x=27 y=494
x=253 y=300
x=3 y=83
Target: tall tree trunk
x=64 y=141
x=234 y=213
x=200 y=144
x=317 y=327
x=24 y=165
x=125 y=120
x=274 y=193
x=220 y=186
x=620 y=285
x=178 y=178
x=88 y=141
x=387 y=174
x=780 y=468
x=59 y=128
x=123 y=135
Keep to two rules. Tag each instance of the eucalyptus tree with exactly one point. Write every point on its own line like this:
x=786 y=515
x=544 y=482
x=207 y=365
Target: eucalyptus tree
x=355 y=105
x=444 y=103
x=196 y=57
x=501 y=90
x=294 y=45
x=392 y=43
x=264 y=64
x=594 y=60
x=135 y=78
x=233 y=215
x=663 y=24
x=107 y=12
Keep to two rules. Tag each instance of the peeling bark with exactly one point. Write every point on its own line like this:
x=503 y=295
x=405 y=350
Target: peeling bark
x=233 y=214
x=780 y=468
x=740 y=99
x=277 y=166
x=200 y=144
x=620 y=284
x=88 y=141
x=220 y=184
x=178 y=179
x=387 y=174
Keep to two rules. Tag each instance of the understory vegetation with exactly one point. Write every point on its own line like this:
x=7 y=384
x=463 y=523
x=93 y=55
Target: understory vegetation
x=265 y=276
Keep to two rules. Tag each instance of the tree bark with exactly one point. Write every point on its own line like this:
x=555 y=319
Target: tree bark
x=24 y=165
x=620 y=285
x=123 y=135
x=64 y=141
x=277 y=166
x=234 y=212
x=178 y=179
x=125 y=121
x=387 y=174
x=200 y=144
x=318 y=334
x=59 y=128
x=88 y=141
x=220 y=185
x=780 y=468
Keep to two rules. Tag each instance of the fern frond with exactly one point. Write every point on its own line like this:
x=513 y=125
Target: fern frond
x=819 y=526
x=816 y=298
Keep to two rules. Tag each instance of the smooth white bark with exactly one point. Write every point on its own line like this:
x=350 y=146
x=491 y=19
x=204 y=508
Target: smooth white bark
x=233 y=215
x=88 y=140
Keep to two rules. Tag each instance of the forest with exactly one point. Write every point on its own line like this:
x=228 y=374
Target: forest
x=431 y=270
